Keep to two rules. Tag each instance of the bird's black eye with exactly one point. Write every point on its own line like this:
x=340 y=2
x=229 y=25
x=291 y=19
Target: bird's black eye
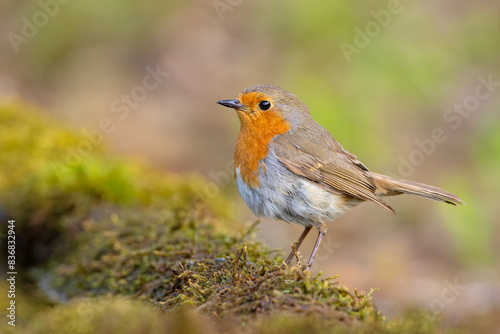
x=264 y=105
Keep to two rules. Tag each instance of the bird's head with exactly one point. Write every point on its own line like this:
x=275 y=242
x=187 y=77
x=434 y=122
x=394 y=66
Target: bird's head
x=267 y=105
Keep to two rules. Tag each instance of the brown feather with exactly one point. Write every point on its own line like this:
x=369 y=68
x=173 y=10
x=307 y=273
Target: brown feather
x=328 y=164
x=389 y=186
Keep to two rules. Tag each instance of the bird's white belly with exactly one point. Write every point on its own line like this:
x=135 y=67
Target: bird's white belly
x=284 y=195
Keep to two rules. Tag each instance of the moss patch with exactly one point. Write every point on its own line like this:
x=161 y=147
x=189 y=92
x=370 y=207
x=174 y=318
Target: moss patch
x=174 y=260
x=49 y=189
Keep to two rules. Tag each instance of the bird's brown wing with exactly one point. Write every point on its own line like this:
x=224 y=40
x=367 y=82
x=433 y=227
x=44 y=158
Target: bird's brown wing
x=327 y=163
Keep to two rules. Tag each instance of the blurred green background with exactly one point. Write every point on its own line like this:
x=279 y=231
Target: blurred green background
x=414 y=62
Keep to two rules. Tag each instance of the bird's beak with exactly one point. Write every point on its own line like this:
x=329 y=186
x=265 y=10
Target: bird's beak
x=235 y=104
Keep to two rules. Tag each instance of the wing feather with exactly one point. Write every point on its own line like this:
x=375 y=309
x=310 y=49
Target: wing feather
x=328 y=164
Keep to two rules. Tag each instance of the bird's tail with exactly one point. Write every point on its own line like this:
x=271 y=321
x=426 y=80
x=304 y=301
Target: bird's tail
x=387 y=186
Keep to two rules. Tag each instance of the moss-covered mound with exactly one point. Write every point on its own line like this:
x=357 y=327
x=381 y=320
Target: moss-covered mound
x=53 y=178
x=116 y=247
x=174 y=259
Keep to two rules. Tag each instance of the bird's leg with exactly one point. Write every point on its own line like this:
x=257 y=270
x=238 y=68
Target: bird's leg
x=321 y=233
x=296 y=245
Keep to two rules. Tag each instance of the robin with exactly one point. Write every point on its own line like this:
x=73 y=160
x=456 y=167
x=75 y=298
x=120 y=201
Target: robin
x=288 y=167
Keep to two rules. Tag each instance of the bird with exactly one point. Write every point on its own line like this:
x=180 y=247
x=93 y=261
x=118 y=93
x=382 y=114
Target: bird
x=288 y=167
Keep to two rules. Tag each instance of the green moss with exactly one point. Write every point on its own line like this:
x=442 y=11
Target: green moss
x=125 y=315
x=50 y=190
x=175 y=258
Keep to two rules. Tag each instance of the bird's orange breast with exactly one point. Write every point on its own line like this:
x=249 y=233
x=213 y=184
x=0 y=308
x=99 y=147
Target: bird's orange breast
x=252 y=144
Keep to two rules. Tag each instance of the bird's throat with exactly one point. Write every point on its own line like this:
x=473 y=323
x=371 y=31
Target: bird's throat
x=256 y=133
